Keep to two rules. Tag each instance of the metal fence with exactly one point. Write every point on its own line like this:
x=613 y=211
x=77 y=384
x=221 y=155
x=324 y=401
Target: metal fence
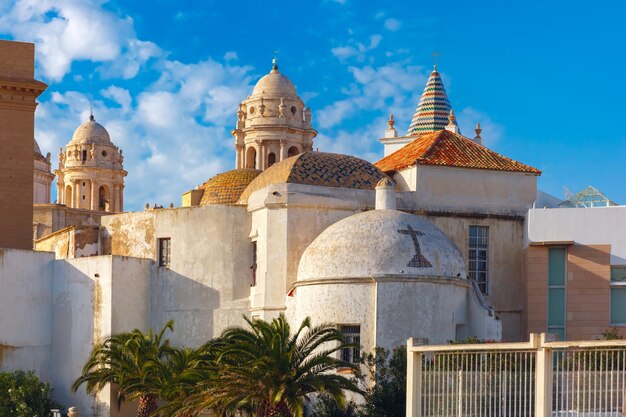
x=533 y=379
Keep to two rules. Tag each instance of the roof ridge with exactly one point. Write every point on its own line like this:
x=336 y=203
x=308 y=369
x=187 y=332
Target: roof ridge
x=453 y=150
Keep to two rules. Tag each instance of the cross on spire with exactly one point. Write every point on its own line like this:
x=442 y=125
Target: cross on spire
x=435 y=55
x=418 y=260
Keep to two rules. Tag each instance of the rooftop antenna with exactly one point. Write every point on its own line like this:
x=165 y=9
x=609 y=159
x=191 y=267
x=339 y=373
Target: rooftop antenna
x=435 y=55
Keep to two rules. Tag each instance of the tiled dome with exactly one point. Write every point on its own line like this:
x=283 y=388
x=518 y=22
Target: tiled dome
x=226 y=188
x=321 y=169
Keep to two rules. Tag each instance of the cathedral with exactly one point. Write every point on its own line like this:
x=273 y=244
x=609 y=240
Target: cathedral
x=428 y=242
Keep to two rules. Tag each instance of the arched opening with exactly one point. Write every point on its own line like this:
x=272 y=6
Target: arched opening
x=67 y=200
x=293 y=151
x=251 y=157
x=104 y=198
x=271 y=159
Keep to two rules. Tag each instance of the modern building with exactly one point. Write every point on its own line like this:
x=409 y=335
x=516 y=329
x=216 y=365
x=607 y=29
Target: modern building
x=575 y=263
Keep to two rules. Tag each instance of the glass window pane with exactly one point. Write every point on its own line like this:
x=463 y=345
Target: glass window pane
x=558 y=331
x=556 y=266
x=556 y=307
x=618 y=274
x=618 y=305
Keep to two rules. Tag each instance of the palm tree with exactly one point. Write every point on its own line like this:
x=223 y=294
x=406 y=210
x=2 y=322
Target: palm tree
x=266 y=371
x=136 y=363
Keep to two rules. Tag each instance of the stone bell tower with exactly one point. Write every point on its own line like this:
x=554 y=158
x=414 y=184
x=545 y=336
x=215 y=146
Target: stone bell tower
x=18 y=93
x=91 y=174
x=273 y=123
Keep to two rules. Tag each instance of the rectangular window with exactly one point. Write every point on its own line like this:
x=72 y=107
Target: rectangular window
x=618 y=295
x=165 y=247
x=254 y=263
x=557 y=258
x=352 y=335
x=479 y=256
x=84 y=157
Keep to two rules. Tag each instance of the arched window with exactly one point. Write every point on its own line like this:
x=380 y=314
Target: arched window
x=293 y=151
x=68 y=195
x=250 y=157
x=271 y=159
x=104 y=198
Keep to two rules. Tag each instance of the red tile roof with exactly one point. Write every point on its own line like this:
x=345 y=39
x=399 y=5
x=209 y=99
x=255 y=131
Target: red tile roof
x=445 y=148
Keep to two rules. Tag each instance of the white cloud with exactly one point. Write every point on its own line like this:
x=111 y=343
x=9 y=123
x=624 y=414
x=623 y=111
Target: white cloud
x=392 y=24
x=77 y=30
x=356 y=49
x=119 y=95
x=174 y=133
x=393 y=88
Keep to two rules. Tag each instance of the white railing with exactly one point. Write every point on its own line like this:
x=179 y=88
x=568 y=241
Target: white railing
x=533 y=379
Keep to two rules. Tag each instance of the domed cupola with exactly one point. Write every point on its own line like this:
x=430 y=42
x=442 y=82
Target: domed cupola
x=273 y=123
x=91 y=173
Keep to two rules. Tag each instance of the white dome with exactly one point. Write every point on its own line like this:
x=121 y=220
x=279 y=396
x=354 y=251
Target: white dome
x=91 y=132
x=275 y=84
x=381 y=243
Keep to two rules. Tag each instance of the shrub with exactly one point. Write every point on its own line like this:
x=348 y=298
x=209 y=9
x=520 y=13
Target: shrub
x=22 y=394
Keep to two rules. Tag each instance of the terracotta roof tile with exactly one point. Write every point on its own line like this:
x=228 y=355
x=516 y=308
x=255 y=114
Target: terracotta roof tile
x=445 y=148
x=226 y=188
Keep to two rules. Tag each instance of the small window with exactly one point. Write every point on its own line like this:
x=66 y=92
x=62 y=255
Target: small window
x=254 y=263
x=165 y=247
x=352 y=335
x=478 y=256
x=84 y=155
x=83 y=184
x=83 y=196
x=293 y=110
x=618 y=295
x=104 y=153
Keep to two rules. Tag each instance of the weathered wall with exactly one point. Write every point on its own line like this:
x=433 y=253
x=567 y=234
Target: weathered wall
x=466 y=190
x=207 y=285
x=25 y=310
x=286 y=218
x=71 y=242
x=50 y=218
x=421 y=308
x=93 y=298
x=506 y=263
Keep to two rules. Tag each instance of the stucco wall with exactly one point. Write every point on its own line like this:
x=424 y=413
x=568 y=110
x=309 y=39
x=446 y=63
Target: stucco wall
x=207 y=285
x=506 y=263
x=466 y=190
x=92 y=299
x=25 y=310
x=286 y=218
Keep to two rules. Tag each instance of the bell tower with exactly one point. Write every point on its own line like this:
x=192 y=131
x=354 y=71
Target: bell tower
x=272 y=124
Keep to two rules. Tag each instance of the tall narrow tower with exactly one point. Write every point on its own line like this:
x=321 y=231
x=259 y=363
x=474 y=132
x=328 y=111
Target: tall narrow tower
x=18 y=93
x=273 y=123
x=91 y=173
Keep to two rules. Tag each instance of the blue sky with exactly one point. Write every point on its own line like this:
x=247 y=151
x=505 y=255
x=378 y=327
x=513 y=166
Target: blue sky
x=545 y=79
